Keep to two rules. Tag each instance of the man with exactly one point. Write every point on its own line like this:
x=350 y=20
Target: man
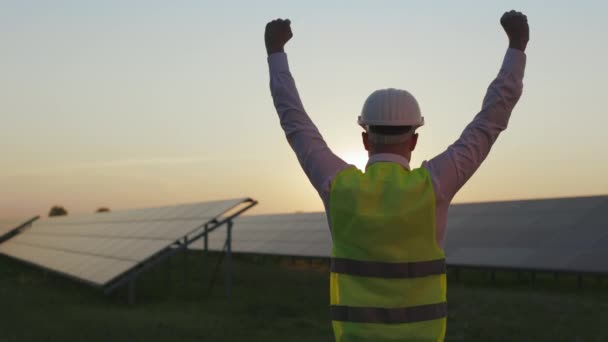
x=388 y=279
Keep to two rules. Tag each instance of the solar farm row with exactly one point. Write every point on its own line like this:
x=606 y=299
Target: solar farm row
x=562 y=235
x=568 y=234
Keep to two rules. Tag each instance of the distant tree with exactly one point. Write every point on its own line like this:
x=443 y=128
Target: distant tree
x=103 y=210
x=57 y=210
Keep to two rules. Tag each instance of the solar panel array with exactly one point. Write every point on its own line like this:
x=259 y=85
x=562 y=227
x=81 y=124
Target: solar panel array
x=98 y=248
x=568 y=234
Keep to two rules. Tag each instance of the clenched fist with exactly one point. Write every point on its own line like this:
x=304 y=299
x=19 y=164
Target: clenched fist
x=278 y=33
x=516 y=27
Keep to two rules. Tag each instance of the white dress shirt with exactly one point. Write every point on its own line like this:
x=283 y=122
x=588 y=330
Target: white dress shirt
x=449 y=171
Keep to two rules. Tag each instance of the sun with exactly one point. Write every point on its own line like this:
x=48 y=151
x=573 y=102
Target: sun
x=357 y=158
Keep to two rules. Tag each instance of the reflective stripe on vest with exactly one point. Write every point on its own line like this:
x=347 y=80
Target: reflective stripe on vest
x=387 y=277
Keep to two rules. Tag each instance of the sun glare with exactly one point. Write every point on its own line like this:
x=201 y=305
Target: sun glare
x=358 y=158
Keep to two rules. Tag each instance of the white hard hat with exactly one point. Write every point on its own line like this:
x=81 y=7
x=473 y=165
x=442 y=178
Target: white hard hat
x=390 y=107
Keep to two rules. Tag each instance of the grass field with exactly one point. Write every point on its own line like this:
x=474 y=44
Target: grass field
x=276 y=300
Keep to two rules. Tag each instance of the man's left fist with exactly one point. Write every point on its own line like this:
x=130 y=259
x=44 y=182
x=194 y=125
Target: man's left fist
x=517 y=29
x=278 y=33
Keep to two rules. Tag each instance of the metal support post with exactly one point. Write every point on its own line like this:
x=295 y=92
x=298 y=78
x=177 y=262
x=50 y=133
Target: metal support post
x=205 y=253
x=206 y=240
x=229 y=259
x=185 y=259
x=132 y=291
x=168 y=271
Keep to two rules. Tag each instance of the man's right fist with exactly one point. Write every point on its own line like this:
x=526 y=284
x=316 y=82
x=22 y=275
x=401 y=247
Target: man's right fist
x=516 y=27
x=278 y=33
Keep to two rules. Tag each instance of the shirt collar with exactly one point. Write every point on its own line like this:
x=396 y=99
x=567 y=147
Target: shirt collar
x=389 y=157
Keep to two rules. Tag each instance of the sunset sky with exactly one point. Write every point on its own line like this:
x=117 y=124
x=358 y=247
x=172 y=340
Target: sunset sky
x=144 y=103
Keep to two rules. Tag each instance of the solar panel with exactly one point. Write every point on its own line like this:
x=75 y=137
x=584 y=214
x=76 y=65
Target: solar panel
x=551 y=235
x=566 y=234
x=301 y=234
x=101 y=248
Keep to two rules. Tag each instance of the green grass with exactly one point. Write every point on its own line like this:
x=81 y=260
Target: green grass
x=278 y=301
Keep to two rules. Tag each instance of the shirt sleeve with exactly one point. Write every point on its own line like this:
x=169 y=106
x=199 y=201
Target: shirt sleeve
x=451 y=169
x=318 y=162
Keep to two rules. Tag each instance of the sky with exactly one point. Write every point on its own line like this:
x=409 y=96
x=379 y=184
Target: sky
x=130 y=104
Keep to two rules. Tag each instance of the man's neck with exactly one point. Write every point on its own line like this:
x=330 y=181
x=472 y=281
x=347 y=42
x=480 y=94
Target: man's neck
x=400 y=151
x=389 y=157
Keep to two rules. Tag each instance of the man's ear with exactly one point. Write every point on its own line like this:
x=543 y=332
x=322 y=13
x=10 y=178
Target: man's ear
x=365 y=139
x=413 y=141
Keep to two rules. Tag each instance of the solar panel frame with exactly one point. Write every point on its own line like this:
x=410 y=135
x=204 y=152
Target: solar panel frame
x=8 y=229
x=225 y=217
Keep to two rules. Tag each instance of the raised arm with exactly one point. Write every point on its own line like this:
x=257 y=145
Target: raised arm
x=451 y=169
x=315 y=157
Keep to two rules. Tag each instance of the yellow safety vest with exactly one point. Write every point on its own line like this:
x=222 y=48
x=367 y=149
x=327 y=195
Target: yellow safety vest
x=388 y=279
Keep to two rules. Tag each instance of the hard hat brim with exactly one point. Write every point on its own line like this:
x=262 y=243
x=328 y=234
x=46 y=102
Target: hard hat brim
x=366 y=123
